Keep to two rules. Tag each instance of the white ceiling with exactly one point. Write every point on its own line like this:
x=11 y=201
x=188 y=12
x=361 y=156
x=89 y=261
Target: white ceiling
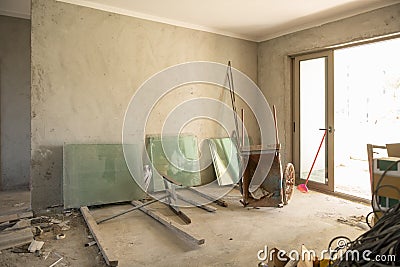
x=255 y=20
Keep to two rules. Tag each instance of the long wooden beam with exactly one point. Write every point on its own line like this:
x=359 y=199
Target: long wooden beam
x=14 y=238
x=176 y=228
x=15 y=216
x=108 y=255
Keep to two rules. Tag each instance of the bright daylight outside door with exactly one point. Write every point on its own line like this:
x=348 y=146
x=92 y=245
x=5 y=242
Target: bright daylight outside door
x=359 y=106
x=313 y=120
x=367 y=109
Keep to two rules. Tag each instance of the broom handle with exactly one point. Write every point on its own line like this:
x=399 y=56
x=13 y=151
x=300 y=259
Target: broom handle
x=315 y=159
x=276 y=127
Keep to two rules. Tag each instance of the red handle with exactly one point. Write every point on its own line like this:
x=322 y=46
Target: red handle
x=316 y=156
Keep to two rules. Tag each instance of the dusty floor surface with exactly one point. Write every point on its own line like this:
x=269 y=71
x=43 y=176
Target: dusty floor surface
x=13 y=201
x=71 y=248
x=233 y=235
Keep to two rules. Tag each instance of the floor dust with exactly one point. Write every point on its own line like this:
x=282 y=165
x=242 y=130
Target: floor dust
x=234 y=235
x=71 y=248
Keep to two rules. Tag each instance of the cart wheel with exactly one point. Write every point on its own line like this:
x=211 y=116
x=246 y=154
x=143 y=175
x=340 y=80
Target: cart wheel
x=288 y=183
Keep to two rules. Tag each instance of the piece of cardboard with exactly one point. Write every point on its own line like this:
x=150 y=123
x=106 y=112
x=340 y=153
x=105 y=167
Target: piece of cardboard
x=393 y=150
x=387 y=191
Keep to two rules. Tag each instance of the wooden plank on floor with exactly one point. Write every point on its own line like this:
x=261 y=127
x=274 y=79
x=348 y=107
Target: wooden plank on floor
x=15 y=216
x=9 y=239
x=176 y=228
x=35 y=245
x=108 y=255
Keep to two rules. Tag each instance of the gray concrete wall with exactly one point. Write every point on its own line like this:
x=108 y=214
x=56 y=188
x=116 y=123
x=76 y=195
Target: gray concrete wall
x=15 y=79
x=86 y=65
x=274 y=68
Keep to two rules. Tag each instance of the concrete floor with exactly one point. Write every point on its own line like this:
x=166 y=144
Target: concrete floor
x=233 y=235
x=14 y=201
x=353 y=179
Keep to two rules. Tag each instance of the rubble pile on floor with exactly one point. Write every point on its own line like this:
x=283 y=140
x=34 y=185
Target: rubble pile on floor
x=22 y=233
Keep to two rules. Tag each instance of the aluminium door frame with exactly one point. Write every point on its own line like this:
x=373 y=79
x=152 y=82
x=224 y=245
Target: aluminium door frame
x=329 y=85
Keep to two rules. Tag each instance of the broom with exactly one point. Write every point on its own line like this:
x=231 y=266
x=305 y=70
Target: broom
x=303 y=187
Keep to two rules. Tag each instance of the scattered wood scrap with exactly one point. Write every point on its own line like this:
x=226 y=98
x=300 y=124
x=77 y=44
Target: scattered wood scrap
x=15 y=216
x=24 y=223
x=108 y=255
x=35 y=245
x=9 y=239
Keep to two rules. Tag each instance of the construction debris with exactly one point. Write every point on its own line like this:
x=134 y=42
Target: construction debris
x=20 y=249
x=355 y=221
x=60 y=236
x=64 y=226
x=35 y=246
x=91 y=243
x=55 y=221
x=9 y=239
x=57 y=261
x=24 y=223
x=34 y=241
x=45 y=255
x=37 y=231
x=15 y=216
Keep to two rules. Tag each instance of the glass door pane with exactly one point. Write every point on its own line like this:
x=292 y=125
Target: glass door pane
x=367 y=110
x=312 y=119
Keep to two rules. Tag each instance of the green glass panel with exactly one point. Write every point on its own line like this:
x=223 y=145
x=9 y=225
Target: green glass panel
x=181 y=171
x=97 y=174
x=225 y=158
x=384 y=164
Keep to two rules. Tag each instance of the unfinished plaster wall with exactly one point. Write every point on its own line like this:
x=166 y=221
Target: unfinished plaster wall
x=15 y=79
x=86 y=65
x=274 y=67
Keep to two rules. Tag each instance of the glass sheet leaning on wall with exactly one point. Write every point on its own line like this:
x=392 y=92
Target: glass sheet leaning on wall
x=225 y=158
x=180 y=172
x=96 y=174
